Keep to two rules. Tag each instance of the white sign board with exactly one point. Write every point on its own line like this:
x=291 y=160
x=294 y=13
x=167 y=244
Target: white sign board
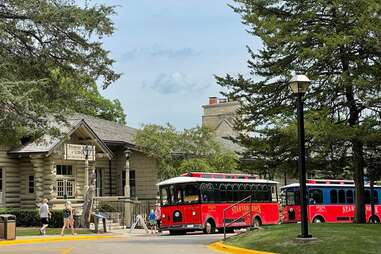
x=78 y=152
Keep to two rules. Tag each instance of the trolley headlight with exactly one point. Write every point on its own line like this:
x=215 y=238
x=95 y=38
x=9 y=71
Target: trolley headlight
x=193 y=213
x=163 y=216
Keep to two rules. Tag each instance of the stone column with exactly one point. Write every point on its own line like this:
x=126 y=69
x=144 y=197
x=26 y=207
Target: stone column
x=50 y=179
x=39 y=174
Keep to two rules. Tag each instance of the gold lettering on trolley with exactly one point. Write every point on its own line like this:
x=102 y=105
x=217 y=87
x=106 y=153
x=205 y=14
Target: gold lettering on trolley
x=246 y=208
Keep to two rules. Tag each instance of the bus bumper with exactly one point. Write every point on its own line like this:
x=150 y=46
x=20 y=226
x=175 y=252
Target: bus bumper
x=183 y=227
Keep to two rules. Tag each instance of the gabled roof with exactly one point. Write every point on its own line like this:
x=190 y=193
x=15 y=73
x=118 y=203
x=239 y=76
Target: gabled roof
x=108 y=131
x=103 y=131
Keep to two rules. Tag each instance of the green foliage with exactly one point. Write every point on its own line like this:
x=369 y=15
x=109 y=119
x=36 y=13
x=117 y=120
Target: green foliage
x=104 y=207
x=337 y=44
x=330 y=238
x=51 y=55
x=31 y=217
x=177 y=152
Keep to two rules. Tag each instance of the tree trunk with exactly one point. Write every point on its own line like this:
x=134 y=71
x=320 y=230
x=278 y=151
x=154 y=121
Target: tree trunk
x=357 y=145
x=87 y=207
x=358 y=167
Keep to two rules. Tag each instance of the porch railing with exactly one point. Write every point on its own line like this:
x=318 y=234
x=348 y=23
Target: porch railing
x=123 y=210
x=242 y=216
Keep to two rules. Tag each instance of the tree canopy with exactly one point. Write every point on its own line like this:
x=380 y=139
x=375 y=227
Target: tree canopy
x=338 y=45
x=178 y=152
x=51 y=57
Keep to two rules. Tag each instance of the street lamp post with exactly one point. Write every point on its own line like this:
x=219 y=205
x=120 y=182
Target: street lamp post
x=299 y=85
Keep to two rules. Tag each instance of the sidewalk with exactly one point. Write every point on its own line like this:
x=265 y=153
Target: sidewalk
x=58 y=238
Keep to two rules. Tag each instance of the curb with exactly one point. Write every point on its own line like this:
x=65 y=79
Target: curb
x=54 y=239
x=219 y=246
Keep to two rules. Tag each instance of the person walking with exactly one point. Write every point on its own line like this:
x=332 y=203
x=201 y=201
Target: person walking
x=158 y=216
x=152 y=222
x=44 y=216
x=67 y=218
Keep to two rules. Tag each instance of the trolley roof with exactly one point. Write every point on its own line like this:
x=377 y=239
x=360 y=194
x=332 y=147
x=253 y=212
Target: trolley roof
x=187 y=179
x=340 y=185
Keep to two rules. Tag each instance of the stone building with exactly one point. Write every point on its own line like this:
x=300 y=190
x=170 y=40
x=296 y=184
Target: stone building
x=219 y=117
x=60 y=169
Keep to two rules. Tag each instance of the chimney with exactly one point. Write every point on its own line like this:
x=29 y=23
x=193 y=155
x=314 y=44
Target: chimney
x=212 y=100
x=222 y=100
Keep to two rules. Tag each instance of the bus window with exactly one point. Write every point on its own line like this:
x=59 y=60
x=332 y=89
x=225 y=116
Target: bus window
x=315 y=196
x=341 y=197
x=223 y=192
x=367 y=196
x=236 y=192
x=177 y=196
x=375 y=195
x=292 y=197
x=333 y=196
x=349 y=197
x=164 y=196
x=191 y=194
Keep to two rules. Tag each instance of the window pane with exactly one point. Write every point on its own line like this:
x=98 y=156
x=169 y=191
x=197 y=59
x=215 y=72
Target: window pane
x=375 y=196
x=191 y=194
x=349 y=197
x=177 y=195
x=31 y=184
x=341 y=197
x=164 y=196
x=367 y=197
x=333 y=195
x=315 y=196
x=1 y=180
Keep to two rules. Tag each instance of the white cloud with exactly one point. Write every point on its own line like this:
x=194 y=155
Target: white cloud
x=175 y=82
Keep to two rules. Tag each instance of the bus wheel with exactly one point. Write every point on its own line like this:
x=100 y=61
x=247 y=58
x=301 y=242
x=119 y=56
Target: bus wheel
x=318 y=219
x=376 y=219
x=257 y=222
x=210 y=227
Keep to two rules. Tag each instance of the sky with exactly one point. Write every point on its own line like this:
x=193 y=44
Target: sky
x=169 y=52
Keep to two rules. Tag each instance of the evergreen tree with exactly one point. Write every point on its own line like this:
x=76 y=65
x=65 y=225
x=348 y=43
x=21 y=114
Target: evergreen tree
x=50 y=58
x=337 y=44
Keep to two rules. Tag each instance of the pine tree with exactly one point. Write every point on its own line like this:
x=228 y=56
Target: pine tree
x=337 y=44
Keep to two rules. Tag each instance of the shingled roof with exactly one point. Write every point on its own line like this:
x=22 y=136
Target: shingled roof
x=107 y=132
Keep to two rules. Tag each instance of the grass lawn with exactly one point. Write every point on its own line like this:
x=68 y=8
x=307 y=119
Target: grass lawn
x=331 y=238
x=49 y=231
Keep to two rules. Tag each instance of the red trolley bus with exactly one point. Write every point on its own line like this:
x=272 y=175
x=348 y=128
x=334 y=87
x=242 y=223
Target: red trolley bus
x=328 y=201
x=196 y=201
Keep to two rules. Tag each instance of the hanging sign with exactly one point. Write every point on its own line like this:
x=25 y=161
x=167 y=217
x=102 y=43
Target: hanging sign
x=78 y=152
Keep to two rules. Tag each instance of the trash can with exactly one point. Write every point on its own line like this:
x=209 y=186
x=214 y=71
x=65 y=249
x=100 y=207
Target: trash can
x=7 y=226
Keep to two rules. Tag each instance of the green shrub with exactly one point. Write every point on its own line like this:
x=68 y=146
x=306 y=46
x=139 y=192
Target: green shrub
x=31 y=217
x=106 y=208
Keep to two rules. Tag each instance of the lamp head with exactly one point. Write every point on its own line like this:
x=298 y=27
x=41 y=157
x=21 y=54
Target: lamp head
x=299 y=84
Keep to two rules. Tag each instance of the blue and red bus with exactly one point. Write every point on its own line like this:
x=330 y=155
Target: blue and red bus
x=196 y=201
x=328 y=201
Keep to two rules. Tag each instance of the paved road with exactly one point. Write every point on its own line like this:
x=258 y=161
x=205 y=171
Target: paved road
x=131 y=244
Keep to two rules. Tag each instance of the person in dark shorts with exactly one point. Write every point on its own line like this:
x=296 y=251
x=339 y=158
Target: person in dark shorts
x=44 y=216
x=68 y=218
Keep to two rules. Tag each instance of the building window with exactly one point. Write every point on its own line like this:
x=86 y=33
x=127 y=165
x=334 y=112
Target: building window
x=64 y=170
x=1 y=180
x=132 y=183
x=31 y=184
x=65 y=181
x=123 y=182
x=1 y=185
